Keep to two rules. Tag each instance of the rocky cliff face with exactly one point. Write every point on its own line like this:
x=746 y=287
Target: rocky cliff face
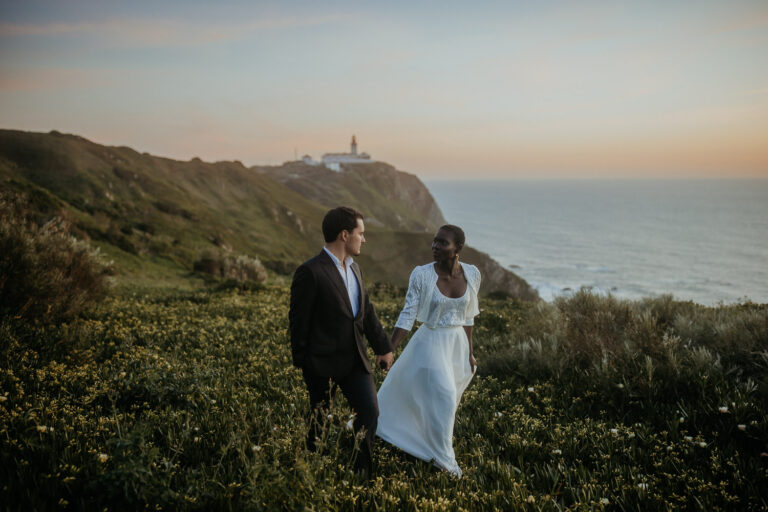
x=387 y=197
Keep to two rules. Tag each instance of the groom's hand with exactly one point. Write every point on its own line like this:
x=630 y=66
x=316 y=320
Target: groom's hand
x=385 y=362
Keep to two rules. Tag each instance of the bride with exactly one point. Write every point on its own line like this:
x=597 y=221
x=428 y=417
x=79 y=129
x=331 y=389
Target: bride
x=419 y=396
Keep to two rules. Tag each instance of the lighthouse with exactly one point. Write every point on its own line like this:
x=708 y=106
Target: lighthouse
x=353 y=146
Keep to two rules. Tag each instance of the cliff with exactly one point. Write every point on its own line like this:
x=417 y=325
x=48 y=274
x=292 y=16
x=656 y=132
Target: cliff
x=154 y=215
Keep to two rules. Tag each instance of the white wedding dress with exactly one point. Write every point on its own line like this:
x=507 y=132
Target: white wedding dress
x=419 y=396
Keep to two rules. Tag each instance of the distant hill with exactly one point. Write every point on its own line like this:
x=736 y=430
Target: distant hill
x=154 y=215
x=390 y=198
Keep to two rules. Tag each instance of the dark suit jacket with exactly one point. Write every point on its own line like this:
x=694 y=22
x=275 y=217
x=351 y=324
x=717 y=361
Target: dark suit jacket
x=325 y=337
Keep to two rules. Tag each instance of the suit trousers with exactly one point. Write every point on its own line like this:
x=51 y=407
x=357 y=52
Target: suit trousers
x=360 y=391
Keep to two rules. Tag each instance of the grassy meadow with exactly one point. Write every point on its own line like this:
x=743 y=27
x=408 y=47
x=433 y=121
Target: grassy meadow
x=188 y=401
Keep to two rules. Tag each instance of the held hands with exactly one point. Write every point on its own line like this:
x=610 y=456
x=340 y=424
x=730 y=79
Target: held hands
x=472 y=363
x=385 y=362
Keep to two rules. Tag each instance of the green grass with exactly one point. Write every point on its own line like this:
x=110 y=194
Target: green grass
x=188 y=401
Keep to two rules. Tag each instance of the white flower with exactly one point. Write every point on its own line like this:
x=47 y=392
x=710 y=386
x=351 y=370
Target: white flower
x=330 y=416
x=689 y=439
x=682 y=419
x=196 y=440
x=703 y=444
x=631 y=435
x=103 y=457
x=42 y=428
x=642 y=486
x=498 y=414
x=557 y=452
x=604 y=501
x=531 y=499
x=614 y=431
x=742 y=427
x=255 y=448
x=620 y=385
x=530 y=389
x=723 y=409
x=669 y=448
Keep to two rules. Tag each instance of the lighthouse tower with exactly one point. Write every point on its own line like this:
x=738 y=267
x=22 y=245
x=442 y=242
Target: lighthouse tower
x=353 y=146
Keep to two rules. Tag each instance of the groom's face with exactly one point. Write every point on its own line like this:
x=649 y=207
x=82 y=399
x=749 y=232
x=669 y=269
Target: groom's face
x=355 y=239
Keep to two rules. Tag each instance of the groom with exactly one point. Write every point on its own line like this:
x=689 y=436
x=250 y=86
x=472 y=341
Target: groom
x=330 y=312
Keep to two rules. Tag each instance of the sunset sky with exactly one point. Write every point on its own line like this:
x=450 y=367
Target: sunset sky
x=442 y=89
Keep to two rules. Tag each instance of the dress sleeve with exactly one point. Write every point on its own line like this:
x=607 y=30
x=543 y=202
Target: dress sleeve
x=408 y=314
x=473 y=307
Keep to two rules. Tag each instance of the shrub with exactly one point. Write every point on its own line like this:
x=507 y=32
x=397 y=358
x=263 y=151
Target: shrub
x=46 y=275
x=230 y=270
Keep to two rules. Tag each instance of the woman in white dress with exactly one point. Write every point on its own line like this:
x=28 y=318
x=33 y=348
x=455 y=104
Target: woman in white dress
x=419 y=396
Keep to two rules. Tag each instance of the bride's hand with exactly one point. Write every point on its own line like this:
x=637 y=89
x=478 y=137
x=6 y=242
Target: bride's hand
x=472 y=363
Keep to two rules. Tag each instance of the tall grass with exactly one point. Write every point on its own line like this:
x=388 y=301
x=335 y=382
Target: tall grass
x=46 y=275
x=189 y=402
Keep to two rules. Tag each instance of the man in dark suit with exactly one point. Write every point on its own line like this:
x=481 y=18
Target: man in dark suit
x=329 y=315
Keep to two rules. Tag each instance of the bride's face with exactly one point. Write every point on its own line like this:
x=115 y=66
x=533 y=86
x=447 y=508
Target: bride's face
x=443 y=246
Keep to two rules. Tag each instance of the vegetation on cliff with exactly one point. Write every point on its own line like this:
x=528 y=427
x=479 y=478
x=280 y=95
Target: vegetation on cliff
x=153 y=216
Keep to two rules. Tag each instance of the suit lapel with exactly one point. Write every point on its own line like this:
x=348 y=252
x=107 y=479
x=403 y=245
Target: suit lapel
x=333 y=274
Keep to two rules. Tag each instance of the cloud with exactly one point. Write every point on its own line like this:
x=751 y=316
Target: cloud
x=54 y=78
x=141 y=32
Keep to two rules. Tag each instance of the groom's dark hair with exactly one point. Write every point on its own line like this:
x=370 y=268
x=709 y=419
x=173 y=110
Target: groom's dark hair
x=339 y=219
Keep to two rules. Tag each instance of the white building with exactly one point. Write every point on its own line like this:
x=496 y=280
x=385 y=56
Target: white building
x=333 y=161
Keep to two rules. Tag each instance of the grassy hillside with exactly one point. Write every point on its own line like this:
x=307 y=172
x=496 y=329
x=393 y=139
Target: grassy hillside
x=154 y=215
x=390 y=198
x=189 y=402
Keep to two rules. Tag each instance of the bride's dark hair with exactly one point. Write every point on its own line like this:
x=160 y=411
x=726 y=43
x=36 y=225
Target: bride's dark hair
x=458 y=235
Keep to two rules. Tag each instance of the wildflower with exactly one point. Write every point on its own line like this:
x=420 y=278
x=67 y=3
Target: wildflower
x=255 y=448
x=531 y=499
x=42 y=428
x=274 y=429
x=689 y=439
x=620 y=385
x=196 y=440
x=723 y=409
x=103 y=457
x=682 y=419
x=614 y=431
x=631 y=435
x=330 y=416
x=742 y=427
x=498 y=414
x=557 y=452
x=702 y=444
x=530 y=389
x=197 y=429
x=604 y=501
x=669 y=448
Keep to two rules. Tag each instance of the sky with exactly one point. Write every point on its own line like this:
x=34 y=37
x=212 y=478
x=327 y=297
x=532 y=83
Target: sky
x=457 y=90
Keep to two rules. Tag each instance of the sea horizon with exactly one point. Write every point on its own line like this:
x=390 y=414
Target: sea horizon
x=700 y=239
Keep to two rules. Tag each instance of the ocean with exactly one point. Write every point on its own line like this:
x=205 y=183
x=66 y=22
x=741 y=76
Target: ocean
x=700 y=240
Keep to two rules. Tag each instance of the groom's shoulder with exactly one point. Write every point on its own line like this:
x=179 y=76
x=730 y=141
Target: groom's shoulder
x=312 y=262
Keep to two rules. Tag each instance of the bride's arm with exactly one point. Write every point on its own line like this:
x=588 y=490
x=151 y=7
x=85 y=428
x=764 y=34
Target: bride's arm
x=397 y=337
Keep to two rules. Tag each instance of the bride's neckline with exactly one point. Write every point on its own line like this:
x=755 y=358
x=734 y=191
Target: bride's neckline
x=466 y=283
